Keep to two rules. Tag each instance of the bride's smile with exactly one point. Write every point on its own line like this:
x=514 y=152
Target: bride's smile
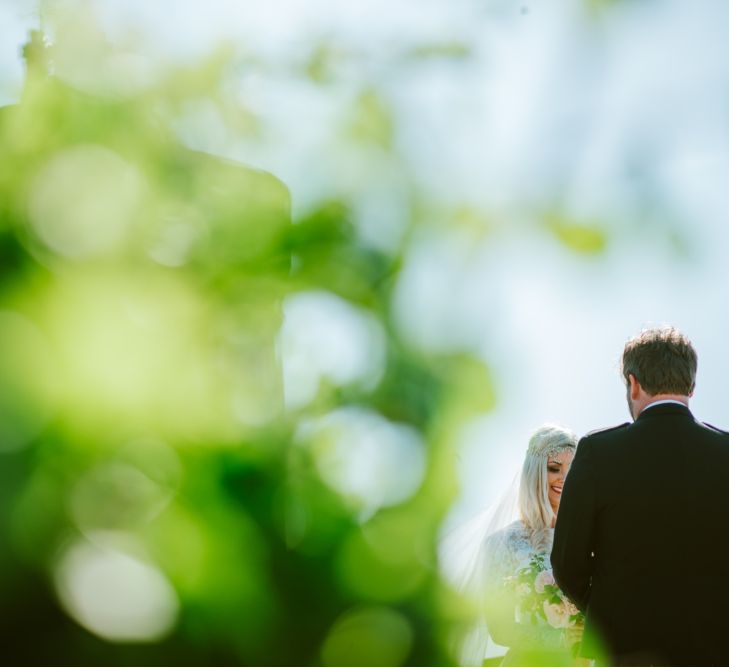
x=557 y=468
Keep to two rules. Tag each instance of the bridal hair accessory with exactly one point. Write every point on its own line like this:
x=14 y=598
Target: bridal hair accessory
x=551 y=439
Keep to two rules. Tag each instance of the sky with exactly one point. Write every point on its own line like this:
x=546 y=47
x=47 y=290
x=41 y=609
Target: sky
x=614 y=118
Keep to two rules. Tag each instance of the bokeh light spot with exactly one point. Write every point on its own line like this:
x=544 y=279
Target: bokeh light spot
x=115 y=595
x=326 y=338
x=368 y=636
x=373 y=573
x=116 y=495
x=132 y=353
x=363 y=456
x=84 y=201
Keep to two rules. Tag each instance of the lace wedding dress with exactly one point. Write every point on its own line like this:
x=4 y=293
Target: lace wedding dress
x=504 y=553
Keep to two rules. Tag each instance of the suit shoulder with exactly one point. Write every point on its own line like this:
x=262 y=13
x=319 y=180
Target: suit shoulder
x=715 y=429
x=604 y=431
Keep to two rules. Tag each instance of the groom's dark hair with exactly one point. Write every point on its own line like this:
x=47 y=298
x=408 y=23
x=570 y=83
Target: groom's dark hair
x=663 y=360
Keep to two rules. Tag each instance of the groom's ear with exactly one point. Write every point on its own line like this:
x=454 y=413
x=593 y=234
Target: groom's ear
x=634 y=387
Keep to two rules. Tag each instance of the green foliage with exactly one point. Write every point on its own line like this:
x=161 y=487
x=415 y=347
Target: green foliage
x=160 y=506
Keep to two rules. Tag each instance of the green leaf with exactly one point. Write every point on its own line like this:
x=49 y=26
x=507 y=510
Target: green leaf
x=586 y=237
x=372 y=121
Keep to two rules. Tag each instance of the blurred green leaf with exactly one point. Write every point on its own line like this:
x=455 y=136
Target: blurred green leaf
x=323 y=61
x=452 y=50
x=582 y=237
x=372 y=120
x=597 y=6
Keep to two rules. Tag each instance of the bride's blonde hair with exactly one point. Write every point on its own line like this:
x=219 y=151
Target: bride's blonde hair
x=534 y=507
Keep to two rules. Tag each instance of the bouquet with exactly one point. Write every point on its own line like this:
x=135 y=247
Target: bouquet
x=539 y=599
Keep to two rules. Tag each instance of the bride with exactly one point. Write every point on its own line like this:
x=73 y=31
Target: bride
x=505 y=548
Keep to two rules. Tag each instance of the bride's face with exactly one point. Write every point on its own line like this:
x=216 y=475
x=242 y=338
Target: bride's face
x=557 y=467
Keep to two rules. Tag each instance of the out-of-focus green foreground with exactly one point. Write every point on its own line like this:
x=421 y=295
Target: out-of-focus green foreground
x=159 y=506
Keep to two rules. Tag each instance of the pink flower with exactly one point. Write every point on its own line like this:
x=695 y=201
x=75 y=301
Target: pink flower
x=558 y=615
x=570 y=606
x=544 y=578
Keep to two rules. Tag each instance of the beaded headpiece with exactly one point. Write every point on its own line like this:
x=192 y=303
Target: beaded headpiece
x=550 y=439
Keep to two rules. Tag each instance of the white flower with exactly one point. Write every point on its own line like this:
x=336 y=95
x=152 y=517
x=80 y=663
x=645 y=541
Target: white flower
x=557 y=615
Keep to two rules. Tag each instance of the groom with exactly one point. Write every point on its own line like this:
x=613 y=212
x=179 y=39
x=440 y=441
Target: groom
x=642 y=536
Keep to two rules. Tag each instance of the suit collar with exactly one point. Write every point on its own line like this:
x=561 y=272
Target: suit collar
x=664 y=409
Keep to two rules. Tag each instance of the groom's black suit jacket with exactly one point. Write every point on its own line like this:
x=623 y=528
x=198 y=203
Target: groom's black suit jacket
x=642 y=538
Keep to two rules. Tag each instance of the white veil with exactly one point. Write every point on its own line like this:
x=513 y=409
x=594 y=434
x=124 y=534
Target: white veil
x=462 y=561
